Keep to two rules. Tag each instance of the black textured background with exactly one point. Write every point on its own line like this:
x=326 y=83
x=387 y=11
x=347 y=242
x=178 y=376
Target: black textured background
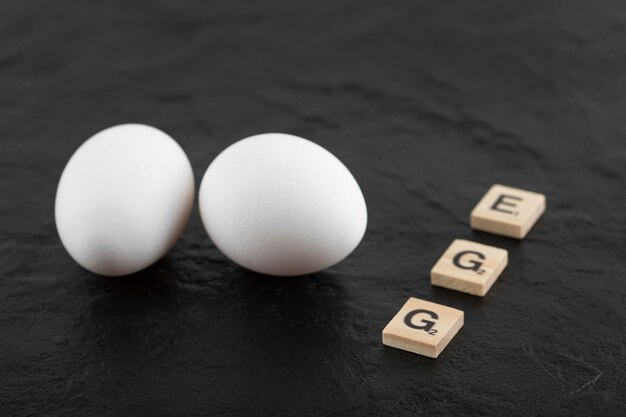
x=427 y=102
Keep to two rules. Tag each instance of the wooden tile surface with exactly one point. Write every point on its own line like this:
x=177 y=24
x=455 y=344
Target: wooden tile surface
x=423 y=327
x=469 y=267
x=508 y=211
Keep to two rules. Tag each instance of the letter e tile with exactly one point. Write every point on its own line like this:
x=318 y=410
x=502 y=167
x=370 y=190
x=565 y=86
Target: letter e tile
x=508 y=211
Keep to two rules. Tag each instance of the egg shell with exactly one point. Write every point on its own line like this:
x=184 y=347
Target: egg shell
x=282 y=205
x=123 y=199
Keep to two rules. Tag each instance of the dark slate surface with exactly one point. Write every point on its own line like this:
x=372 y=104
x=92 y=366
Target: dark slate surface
x=428 y=103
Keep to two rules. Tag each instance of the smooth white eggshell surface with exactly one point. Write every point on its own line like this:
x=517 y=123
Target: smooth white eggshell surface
x=282 y=205
x=123 y=199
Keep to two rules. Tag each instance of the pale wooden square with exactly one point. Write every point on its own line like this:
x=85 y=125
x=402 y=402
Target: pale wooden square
x=469 y=267
x=508 y=211
x=437 y=326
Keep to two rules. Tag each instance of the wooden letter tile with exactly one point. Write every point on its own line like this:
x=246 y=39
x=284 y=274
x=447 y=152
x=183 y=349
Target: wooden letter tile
x=508 y=211
x=469 y=267
x=423 y=327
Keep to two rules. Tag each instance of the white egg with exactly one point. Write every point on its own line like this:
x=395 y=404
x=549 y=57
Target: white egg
x=123 y=199
x=282 y=205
